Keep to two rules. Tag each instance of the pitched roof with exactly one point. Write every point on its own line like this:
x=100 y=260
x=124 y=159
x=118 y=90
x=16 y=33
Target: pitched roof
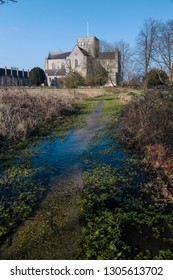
x=55 y=72
x=85 y=53
x=106 y=55
x=58 y=55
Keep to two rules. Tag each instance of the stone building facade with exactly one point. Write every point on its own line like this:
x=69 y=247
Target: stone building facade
x=59 y=64
x=13 y=77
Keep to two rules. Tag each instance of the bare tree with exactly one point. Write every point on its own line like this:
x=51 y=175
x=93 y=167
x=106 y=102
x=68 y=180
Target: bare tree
x=7 y=1
x=163 y=55
x=106 y=46
x=145 y=44
x=126 y=56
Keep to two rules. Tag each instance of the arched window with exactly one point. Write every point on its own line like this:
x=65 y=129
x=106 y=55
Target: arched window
x=76 y=63
x=53 y=66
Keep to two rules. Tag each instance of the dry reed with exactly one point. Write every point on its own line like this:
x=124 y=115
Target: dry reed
x=22 y=110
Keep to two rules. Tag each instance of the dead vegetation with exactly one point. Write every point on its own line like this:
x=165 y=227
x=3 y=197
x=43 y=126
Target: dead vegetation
x=148 y=120
x=22 y=110
x=147 y=126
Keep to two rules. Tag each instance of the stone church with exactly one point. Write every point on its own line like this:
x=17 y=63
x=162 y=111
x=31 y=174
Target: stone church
x=59 y=64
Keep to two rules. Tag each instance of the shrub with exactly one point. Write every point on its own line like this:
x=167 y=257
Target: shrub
x=21 y=112
x=156 y=77
x=74 y=80
x=148 y=120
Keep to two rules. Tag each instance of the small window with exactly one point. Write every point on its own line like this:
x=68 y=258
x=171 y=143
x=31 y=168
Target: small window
x=76 y=63
x=62 y=66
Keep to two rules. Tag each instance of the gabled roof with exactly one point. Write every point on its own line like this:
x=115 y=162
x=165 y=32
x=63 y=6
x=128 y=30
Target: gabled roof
x=58 y=55
x=76 y=47
x=106 y=55
x=85 y=53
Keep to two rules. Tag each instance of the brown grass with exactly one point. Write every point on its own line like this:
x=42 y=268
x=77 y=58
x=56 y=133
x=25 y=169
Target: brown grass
x=148 y=120
x=22 y=110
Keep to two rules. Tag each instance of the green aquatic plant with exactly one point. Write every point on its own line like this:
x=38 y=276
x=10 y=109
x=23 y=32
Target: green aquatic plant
x=19 y=194
x=108 y=193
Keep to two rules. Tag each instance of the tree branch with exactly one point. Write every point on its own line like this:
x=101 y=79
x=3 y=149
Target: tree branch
x=7 y=1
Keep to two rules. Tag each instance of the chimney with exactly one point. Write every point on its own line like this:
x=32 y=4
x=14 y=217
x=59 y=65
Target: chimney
x=5 y=70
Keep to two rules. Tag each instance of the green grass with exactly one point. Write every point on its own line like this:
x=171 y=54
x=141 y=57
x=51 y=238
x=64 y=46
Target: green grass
x=111 y=105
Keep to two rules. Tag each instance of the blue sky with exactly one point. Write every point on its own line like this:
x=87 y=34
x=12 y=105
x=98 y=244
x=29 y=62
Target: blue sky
x=30 y=29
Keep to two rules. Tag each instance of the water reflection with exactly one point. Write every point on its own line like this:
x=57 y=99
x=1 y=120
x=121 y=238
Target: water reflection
x=61 y=157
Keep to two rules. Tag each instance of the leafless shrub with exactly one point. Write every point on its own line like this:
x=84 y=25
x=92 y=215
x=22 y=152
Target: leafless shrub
x=147 y=126
x=148 y=120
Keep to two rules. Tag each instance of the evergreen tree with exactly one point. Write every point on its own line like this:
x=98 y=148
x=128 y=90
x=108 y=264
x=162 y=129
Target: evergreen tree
x=37 y=76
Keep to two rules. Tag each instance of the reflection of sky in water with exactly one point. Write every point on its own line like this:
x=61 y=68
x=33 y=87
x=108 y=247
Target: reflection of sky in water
x=104 y=151
x=57 y=157
x=61 y=155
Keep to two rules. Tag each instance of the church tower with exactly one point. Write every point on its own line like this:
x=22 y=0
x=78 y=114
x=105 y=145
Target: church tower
x=89 y=44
